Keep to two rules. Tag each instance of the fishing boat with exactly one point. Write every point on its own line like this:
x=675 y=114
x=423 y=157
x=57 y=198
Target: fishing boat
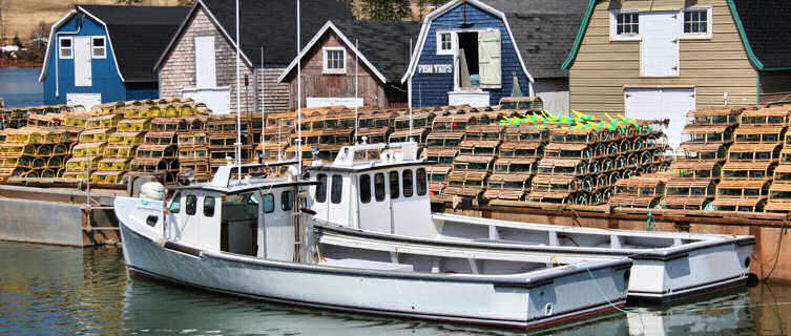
x=389 y=201
x=249 y=237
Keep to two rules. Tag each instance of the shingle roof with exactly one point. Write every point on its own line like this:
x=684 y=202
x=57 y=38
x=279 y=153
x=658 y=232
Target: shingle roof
x=766 y=25
x=544 y=31
x=272 y=24
x=384 y=44
x=139 y=35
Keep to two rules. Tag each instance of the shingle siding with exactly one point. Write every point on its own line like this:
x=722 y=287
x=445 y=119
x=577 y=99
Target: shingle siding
x=432 y=89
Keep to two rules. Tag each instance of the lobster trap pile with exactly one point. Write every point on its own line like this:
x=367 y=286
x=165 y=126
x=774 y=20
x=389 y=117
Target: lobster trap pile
x=14 y=118
x=35 y=152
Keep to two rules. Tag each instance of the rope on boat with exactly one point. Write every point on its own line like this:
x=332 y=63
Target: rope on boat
x=649 y=222
x=604 y=296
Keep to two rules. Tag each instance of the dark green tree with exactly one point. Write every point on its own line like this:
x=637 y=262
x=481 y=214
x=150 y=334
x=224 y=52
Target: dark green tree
x=385 y=10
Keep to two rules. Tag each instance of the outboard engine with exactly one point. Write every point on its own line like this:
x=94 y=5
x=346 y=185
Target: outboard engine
x=154 y=191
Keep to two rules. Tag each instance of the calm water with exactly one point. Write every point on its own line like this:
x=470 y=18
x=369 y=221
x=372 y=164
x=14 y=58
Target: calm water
x=20 y=87
x=47 y=290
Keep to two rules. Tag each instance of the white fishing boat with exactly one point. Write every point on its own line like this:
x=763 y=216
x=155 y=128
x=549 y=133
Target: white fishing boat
x=388 y=200
x=248 y=238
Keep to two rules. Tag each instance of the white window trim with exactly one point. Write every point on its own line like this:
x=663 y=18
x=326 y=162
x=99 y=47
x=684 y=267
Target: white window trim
x=60 y=54
x=324 y=59
x=614 y=26
x=453 y=42
x=697 y=36
x=93 y=55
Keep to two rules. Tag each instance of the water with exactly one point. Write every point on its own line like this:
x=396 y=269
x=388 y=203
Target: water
x=20 y=87
x=48 y=290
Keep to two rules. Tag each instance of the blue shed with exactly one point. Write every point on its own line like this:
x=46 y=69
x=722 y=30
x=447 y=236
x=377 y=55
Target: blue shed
x=466 y=54
x=99 y=54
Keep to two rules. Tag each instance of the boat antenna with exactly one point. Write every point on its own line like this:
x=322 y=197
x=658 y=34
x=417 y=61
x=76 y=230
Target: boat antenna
x=263 y=111
x=299 y=95
x=238 y=143
x=410 y=95
x=356 y=84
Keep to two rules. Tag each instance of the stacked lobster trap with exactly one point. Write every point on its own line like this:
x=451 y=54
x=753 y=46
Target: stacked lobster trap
x=33 y=152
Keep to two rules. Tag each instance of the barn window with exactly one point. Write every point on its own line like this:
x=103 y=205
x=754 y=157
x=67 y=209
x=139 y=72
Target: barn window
x=334 y=60
x=66 y=48
x=444 y=43
x=696 y=22
x=98 y=48
x=627 y=24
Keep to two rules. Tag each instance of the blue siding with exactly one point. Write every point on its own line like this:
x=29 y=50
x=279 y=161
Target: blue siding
x=432 y=89
x=104 y=76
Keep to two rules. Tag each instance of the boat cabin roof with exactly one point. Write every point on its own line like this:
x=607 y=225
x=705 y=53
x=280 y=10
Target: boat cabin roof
x=364 y=157
x=225 y=182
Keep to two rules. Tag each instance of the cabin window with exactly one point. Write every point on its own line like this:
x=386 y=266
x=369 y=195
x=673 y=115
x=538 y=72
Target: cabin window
x=444 y=43
x=394 y=187
x=98 y=49
x=626 y=25
x=334 y=60
x=66 y=48
x=696 y=21
x=269 y=203
x=365 y=188
x=408 y=191
x=175 y=204
x=337 y=188
x=208 y=206
x=286 y=200
x=421 y=182
x=321 y=188
x=192 y=204
x=379 y=187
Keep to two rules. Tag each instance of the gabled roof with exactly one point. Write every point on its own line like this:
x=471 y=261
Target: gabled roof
x=382 y=46
x=762 y=27
x=137 y=35
x=271 y=24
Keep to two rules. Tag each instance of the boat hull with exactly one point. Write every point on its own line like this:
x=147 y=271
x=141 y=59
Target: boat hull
x=504 y=301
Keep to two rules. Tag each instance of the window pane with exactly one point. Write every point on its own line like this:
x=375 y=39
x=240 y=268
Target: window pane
x=286 y=200
x=65 y=43
x=321 y=189
x=379 y=186
x=175 y=204
x=421 y=181
x=394 y=187
x=98 y=42
x=269 y=203
x=208 y=206
x=365 y=188
x=192 y=203
x=337 y=188
x=408 y=183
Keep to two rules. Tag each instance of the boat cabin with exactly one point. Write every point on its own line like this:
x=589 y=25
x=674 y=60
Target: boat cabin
x=377 y=187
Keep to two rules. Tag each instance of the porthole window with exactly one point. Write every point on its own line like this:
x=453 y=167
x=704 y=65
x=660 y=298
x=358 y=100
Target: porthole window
x=394 y=187
x=208 y=206
x=321 y=188
x=365 y=188
x=191 y=204
x=379 y=187
x=337 y=189
x=408 y=183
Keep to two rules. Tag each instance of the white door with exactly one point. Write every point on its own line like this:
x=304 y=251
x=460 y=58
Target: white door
x=658 y=104
x=87 y=100
x=218 y=100
x=82 y=61
x=374 y=215
x=659 y=48
x=205 y=73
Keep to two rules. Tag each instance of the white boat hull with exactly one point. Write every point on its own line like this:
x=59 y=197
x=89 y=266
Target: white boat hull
x=507 y=300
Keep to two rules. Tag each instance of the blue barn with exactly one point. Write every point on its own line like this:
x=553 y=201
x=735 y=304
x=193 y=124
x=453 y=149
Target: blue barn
x=99 y=54
x=474 y=51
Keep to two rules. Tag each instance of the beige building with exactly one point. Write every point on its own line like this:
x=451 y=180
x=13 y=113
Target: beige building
x=659 y=59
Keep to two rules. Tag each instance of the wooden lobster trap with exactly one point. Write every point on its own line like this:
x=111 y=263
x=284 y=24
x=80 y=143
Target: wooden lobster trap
x=479 y=147
x=508 y=186
x=453 y=123
x=782 y=175
x=779 y=197
x=724 y=116
x=639 y=191
x=16 y=160
x=689 y=194
x=470 y=184
x=767 y=116
x=103 y=121
x=754 y=152
x=14 y=118
x=437 y=178
x=576 y=136
x=9 y=148
x=92 y=149
x=75 y=119
x=119 y=151
x=134 y=125
x=96 y=135
x=749 y=171
x=577 y=151
x=525 y=134
x=696 y=170
x=115 y=164
x=163 y=152
x=227 y=124
x=74 y=176
x=528 y=150
x=193 y=153
x=703 y=152
x=108 y=177
x=750 y=196
x=220 y=156
x=373 y=135
x=82 y=164
x=169 y=124
x=441 y=156
x=516 y=166
x=422 y=120
x=558 y=166
x=166 y=169
x=45 y=120
x=709 y=134
x=764 y=134
x=200 y=170
x=444 y=139
x=473 y=163
x=161 y=138
x=195 y=123
x=129 y=138
x=484 y=132
x=57 y=162
x=192 y=138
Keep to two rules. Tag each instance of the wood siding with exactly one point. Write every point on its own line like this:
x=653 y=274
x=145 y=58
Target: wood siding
x=603 y=68
x=432 y=89
x=315 y=83
x=177 y=71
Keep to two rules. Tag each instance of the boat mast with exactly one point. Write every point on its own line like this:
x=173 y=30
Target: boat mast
x=409 y=94
x=263 y=110
x=238 y=103
x=356 y=84
x=299 y=95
